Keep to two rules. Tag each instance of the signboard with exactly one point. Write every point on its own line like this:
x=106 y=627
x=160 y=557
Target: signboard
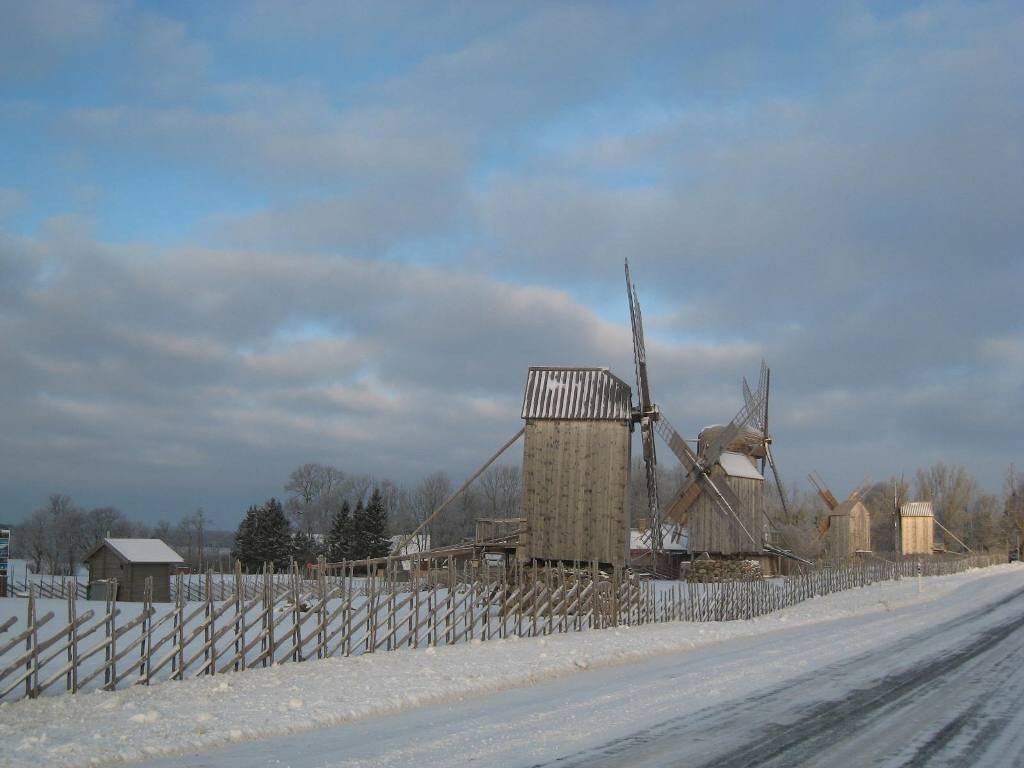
x=5 y=557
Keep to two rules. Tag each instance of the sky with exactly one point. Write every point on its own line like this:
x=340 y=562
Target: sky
x=237 y=237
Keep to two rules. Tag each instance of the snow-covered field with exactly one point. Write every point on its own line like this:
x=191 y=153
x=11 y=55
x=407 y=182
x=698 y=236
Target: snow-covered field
x=175 y=717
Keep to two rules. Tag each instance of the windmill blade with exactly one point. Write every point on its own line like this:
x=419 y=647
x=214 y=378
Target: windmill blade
x=760 y=419
x=766 y=440
x=688 y=458
x=653 y=506
x=748 y=396
x=778 y=480
x=639 y=349
x=826 y=495
x=646 y=414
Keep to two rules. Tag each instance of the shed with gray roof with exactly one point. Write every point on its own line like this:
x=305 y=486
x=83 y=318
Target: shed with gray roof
x=131 y=562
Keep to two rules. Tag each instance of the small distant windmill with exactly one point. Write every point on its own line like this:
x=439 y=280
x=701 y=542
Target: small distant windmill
x=846 y=528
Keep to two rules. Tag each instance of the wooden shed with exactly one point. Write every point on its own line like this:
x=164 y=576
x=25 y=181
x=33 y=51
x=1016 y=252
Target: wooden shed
x=917 y=528
x=576 y=453
x=712 y=531
x=849 y=529
x=131 y=561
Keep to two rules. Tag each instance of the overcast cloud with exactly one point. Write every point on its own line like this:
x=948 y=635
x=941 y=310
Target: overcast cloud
x=241 y=237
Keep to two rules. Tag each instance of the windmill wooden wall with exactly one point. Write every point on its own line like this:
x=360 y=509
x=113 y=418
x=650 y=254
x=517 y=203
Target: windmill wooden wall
x=576 y=456
x=716 y=532
x=917 y=528
x=849 y=529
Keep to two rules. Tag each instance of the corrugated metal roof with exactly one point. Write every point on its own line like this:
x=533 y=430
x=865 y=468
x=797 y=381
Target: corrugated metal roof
x=576 y=393
x=738 y=465
x=917 y=509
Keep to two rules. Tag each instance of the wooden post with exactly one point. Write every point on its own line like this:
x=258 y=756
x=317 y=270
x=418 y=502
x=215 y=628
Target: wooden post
x=110 y=674
x=147 y=627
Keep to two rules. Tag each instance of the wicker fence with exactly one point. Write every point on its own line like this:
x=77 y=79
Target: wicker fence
x=274 y=619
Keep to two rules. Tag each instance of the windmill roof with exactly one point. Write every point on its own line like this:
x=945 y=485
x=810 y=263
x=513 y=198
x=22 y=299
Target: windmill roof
x=738 y=465
x=576 y=393
x=140 y=550
x=917 y=509
x=847 y=507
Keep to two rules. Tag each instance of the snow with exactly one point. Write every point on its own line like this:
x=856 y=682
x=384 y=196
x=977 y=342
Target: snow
x=738 y=465
x=142 y=550
x=174 y=717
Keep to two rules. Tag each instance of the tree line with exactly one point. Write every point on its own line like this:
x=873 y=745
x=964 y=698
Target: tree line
x=266 y=536
x=328 y=512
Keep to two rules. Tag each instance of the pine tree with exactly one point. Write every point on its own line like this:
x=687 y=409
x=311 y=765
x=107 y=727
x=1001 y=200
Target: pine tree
x=371 y=528
x=339 y=538
x=264 y=536
x=244 y=550
x=357 y=538
x=306 y=548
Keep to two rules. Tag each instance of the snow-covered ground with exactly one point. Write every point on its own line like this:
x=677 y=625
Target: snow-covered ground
x=597 y=686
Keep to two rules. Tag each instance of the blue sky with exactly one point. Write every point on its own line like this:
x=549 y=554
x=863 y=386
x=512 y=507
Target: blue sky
x=236 y=237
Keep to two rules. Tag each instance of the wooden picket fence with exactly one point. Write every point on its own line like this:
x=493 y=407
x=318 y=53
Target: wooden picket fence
x=282 y=618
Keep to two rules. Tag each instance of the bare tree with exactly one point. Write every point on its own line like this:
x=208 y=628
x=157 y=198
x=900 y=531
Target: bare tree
x=500 y=490
x=1013 y=509
x=952 y=490
x=103 y=522
x=37 y=539
x=315 y=491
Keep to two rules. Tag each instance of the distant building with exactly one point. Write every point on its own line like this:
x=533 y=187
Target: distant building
x=849 y=529
x=917 y=528
x=131 y=562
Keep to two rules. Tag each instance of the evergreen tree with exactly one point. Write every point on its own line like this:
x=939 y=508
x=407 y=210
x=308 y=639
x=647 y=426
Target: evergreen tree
x=264 y=536
x=371 y=528
x=306 y=548
x=339 y=538
x=244 y=550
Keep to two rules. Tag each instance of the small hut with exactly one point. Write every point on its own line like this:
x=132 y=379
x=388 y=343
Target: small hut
x=131 y=561
x=849 y=529
x=575 y=503
x=917 y=528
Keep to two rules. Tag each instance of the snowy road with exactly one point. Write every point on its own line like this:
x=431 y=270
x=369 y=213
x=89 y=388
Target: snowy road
x=931 y=683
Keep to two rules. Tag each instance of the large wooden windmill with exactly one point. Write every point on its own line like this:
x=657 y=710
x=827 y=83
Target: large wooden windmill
x=721 y=499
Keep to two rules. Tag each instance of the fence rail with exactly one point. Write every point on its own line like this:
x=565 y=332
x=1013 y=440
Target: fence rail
x=281 y=618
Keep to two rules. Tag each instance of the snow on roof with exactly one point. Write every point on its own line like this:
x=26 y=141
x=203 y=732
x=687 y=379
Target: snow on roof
x=142 y=550
x=738 y=465
x=917 y=509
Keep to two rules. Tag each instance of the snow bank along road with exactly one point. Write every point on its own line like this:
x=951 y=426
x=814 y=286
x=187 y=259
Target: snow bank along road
x=877 y=676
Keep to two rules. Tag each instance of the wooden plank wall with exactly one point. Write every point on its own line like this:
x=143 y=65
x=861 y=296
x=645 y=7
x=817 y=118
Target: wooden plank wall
x=714 y=532
x=575 y=491
x=849 y=533
x=860 y=528
x=916 y=535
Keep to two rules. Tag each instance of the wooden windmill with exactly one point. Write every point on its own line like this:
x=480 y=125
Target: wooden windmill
x=846 y=528
x=721 y=499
